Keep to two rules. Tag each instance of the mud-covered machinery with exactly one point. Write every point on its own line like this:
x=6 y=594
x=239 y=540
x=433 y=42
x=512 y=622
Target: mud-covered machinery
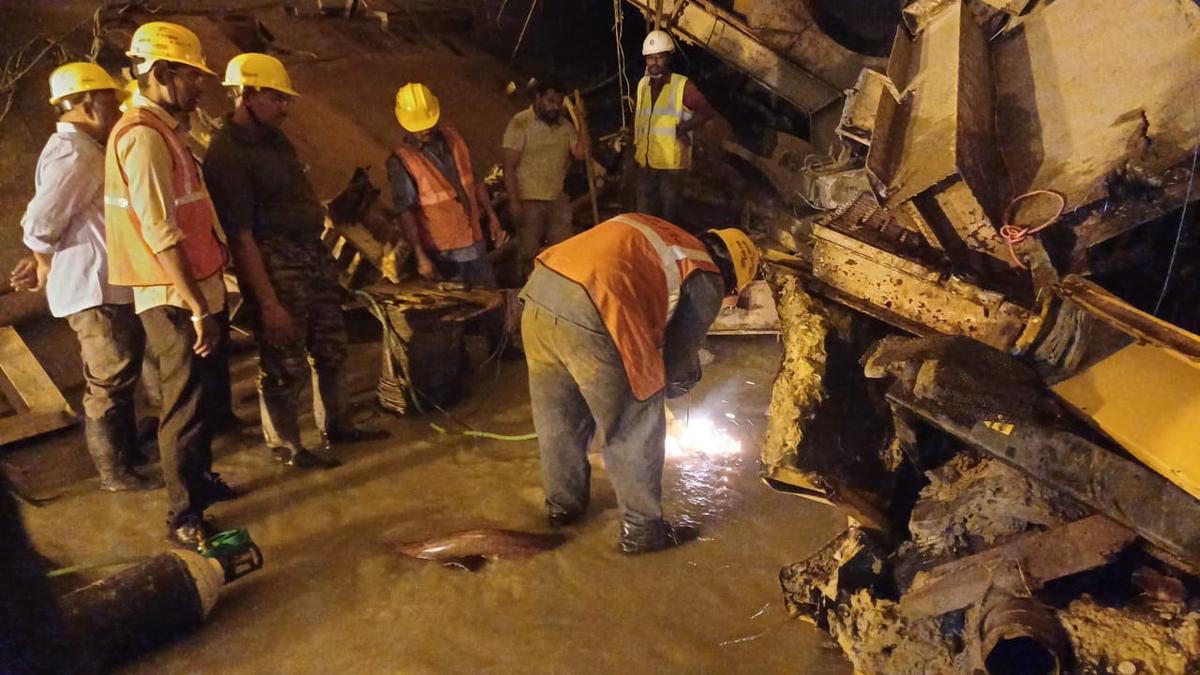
x=1012 y=191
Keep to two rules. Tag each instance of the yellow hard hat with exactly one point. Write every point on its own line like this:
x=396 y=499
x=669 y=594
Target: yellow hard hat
x=742 y=253
x=657 y=42
x=159 y=40
x=260 y=71
x=76 y=78
x=417 y=109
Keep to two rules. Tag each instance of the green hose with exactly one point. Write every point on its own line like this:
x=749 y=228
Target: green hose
x=91 y=566
x=487 y=434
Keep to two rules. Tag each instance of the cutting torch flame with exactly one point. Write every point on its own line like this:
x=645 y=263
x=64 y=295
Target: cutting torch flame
x=698 y=435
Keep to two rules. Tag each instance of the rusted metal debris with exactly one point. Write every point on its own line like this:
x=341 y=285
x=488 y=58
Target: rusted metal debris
x=1024 y=564
x=988 y=401
x=851 y=264
x=724 y=34
x=1049 y=380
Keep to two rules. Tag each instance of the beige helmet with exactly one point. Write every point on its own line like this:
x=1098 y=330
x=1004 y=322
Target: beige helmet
x=159 y=40
x=657 y=42
x=79 y=77
x=260 y=71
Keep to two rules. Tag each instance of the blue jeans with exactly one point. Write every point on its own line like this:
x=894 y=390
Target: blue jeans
x=578 y=389
x=476 y=273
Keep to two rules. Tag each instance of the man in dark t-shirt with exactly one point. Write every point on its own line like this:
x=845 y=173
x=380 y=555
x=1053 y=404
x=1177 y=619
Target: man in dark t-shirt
x=273 y=220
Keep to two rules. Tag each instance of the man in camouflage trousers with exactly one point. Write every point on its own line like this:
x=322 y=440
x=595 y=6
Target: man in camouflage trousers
x=274 y=222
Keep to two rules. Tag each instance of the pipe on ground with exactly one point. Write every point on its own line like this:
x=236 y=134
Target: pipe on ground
x=1021 y=636
x=142 y=607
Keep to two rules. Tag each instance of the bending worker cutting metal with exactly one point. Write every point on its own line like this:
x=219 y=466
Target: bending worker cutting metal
x=613 y=321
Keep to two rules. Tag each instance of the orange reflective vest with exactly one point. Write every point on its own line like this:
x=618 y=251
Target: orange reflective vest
x=633 y=267
x=131 y=262
x=445 y=223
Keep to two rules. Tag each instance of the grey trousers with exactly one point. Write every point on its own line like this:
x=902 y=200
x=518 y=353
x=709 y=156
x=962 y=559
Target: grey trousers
x=111 y=343
x=184 y=429
x=578 y=388
x=660 y=192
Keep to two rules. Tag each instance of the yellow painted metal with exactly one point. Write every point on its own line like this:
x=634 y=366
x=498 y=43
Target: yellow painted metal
x=1147 y=398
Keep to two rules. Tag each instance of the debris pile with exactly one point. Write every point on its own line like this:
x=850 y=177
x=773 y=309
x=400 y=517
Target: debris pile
x=1006 y=413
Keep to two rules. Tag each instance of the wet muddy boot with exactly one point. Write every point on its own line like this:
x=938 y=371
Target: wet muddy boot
x=105 y=437
x=654 y=536
x=559 y=516
x=559 y=519
x=346 y=435
x=303 y=459
x=332 y=412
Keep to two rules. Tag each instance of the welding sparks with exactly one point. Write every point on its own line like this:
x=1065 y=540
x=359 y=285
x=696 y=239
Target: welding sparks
x=698 y=435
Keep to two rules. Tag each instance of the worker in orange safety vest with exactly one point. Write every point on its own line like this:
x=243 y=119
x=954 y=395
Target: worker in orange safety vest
x=164 y=241
x=436 y=195
x=613 y=321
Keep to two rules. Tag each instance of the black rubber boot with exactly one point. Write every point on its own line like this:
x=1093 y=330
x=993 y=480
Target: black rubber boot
x=354 y=435
x=559 y=516
x=106 y=439
x=655 y=536
x=303 y=459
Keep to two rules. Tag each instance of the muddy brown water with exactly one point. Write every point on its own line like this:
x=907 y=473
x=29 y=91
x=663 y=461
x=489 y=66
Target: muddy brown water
x=333 y=596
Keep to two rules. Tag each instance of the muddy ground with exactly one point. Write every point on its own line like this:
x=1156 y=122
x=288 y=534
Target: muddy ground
x=333 y=598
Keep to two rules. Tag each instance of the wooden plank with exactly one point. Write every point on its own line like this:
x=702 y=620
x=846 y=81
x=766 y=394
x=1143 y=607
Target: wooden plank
x=27 y=425
x=1026 y=564
x=37 y=391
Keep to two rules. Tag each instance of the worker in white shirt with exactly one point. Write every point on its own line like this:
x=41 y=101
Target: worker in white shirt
x=63 y=226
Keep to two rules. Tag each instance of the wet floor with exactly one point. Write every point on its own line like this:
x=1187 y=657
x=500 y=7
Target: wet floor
x=333 y=598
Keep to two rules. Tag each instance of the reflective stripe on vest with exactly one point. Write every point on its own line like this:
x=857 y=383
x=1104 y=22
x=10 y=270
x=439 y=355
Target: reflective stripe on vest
x=123 y=203
x=669 y=256
x=633 y=268
x=656 y=144
x=445 y=223
x=131 y=262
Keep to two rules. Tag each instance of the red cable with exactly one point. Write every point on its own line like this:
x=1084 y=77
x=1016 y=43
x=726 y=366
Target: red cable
x=1015 y=234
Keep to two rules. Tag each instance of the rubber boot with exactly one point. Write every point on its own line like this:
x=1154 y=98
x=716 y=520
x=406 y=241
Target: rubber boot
x=656 y=535
x=106 y=437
